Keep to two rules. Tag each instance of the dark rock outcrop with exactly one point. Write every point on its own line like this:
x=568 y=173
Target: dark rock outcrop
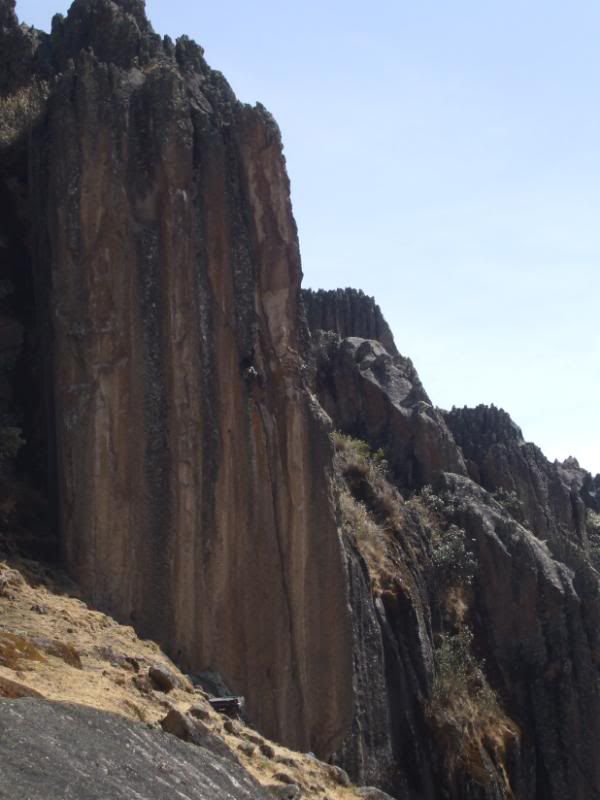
x=367 y=752
x=51 y=751
x=347 y=312
x=538 y=625
x=376 y=396
x=533 y=607
x=551 y=498
x=193 y=466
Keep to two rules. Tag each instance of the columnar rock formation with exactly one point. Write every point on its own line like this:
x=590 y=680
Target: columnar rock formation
x=177 y=392
x=193 y=466
x=533 y=608
x=349 y=312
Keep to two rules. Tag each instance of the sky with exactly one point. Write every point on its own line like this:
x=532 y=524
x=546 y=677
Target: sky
x=445 y=158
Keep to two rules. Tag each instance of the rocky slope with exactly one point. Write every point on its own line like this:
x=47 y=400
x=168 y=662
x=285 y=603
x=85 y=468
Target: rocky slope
x=55 y=649
x=478 y=640
x=62 y=736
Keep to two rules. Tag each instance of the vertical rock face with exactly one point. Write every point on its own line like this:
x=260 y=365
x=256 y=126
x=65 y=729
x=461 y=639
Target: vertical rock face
x=150 y=280
x=194 y=467
x=347 y=312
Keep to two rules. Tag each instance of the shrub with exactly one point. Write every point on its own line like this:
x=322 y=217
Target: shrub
x=593 y=531
x=509 y=500
x=429 y=500
x=593 y=523
x=20 y=110
x=463 y=709
x=453 y=564
x=11 y=442
x=459 y=675
x=357 y=454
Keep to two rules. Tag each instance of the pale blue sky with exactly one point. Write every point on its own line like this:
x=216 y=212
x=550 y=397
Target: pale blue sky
x=444 y=157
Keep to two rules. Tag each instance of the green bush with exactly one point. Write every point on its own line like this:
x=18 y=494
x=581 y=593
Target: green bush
x=11 y=441
x=453 y=564
x=431 y=501
x=459 y=680
x=593 y=531
x=509 y=500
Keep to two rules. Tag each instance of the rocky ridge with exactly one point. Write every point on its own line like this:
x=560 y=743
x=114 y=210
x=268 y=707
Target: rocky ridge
x=349 y=312
x=478 y=633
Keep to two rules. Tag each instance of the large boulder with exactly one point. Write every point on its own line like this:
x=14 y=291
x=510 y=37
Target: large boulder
x=55 y=751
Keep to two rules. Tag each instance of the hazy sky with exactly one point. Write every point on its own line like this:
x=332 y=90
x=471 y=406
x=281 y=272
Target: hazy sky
x=444 y=157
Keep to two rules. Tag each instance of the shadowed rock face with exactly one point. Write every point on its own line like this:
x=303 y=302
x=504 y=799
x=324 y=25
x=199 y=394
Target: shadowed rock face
x=533 y=607
x=53 y=751
x=347 y=312
x=376 y=396
x=193 y=465
x=538 y=624
x=553 y=497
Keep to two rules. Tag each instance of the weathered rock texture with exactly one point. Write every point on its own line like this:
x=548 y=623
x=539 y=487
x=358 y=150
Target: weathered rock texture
x=154 y=356
x=348 y=312
x=532 y=607
x=552 y=499
x=376 y=396
x=51 y=751
x=193 y=466
x=538 y=623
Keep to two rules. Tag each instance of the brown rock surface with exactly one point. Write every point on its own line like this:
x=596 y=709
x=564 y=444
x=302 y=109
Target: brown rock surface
x=192 y=463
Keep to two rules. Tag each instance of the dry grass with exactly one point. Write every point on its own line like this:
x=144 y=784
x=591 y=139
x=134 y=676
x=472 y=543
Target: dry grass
x=19 y=111
x=372 y=541
x=400 y=541
x=53 y=645
x=370 y=509
x=464 y=713
x=358 y=466
x=387 y=530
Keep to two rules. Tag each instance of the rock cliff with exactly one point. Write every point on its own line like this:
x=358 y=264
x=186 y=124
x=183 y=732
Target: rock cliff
x=253 y=475
x=373 y=392
x=475 y=639
x=192 y=465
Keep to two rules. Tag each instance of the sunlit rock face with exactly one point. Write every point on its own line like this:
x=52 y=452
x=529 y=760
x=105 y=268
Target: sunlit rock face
x=176 y=393
x=193 y=466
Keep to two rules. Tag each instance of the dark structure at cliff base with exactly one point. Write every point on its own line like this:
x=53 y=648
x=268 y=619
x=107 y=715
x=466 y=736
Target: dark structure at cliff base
x=253 y=475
